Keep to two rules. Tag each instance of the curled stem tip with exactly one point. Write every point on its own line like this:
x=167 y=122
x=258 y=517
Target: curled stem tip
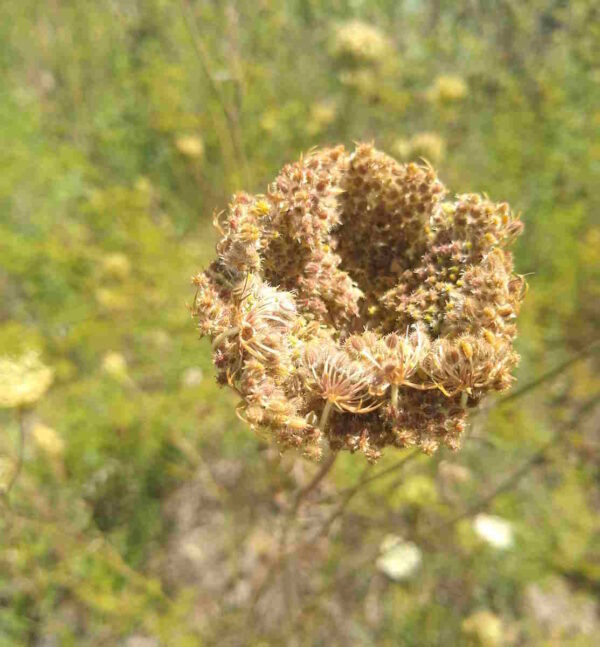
x=230 y=332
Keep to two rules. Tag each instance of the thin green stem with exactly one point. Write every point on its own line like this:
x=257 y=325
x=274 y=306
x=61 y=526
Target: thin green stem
x=20 y=453
x=231 y=118
x=589 y=350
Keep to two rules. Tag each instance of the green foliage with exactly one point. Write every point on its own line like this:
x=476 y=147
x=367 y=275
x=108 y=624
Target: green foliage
x=105 y=212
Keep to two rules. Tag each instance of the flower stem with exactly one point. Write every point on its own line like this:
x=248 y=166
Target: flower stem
x=20 y=452
x=394 y=396
x=325 y=415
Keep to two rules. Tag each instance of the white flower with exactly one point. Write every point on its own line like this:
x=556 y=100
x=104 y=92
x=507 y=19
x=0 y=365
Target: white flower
x=192 y=377
x=399 y=559
x=495 y=531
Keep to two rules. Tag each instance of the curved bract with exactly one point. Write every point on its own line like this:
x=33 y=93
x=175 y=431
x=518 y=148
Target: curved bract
x=355 y=305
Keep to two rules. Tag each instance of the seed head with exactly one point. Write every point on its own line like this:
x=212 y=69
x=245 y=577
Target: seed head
x=333 y=376
x=353 y=304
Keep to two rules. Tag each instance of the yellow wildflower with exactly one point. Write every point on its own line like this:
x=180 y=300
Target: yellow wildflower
x=23 y=381
x=428 y=145
x=483 y=628
x=115 y=365
x=48 y=440
x=447 y=89
x=190 y=146
x=116 y=265
x=360 y=41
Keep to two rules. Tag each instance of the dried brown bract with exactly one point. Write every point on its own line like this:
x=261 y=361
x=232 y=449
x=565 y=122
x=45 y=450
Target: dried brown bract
x=355 y=305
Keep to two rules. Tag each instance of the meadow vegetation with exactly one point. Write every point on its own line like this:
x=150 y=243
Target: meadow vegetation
x=136 y=507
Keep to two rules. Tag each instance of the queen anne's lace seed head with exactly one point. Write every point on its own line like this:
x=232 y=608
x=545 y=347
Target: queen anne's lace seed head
x=354 y=304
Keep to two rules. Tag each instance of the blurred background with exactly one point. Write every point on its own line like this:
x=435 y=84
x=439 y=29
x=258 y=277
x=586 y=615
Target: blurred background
x=137 y=509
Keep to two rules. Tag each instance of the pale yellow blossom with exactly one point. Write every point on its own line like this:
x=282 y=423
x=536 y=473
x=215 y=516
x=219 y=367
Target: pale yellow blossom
x=48 y=440
x=190 y=146
x=447 y=89
x=116 y=265
x=428 y=145
x=23 y=381
x=111 y=300
x=360 y=41
x=115 y=365
x=483 y=629
x=322 y=114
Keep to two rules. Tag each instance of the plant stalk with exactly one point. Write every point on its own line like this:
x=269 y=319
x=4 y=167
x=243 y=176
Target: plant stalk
x=325 y=415
x=394 y=396
x=20 y=454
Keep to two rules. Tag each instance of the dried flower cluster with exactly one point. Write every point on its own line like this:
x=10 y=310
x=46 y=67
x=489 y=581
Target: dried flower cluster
x=354 y=305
